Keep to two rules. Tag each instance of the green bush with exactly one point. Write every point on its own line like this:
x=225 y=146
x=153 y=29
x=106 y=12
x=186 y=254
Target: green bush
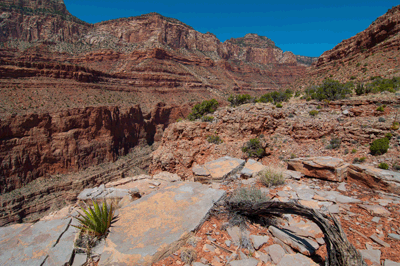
x=380 y=109
x=239 y=99
x=207 y=118
x=203 y=108
x=379 y=146
x=276 y=96
x=353 y=151
x=319 y=107
x=395 y=125
x=389 y=135
x=383 y=166
x=96 y=220
x=313 y=112
x=253 y=148
x=360 y=90
x=334 y=143
x=359 y=160
x=271 y=177
x=279 y=105
x=330 y=90
x=214 y=139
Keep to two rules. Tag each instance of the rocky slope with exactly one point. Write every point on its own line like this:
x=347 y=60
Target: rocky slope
x=372 y=52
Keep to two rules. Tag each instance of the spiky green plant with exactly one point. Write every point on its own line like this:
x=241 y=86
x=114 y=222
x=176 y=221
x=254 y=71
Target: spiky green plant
x=96 y=220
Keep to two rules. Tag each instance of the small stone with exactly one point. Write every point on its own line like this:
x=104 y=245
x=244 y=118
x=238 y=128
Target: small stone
x=320 y=240
x=372 y=255
x=208 y=248
x=258 y=241
x=204 y=260
x=199 y=264
x=391 y=263
x=228 y=243
x=211 y=239
x=375 y=219
x=334 y=209
x=245 y=262
x=276 y=252
x=394 y=236
x=379 y=241
x=342 y=186
x=155 y=183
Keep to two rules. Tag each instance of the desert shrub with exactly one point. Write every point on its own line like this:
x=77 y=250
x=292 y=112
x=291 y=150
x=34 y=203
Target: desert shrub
x=360 y=90
x=239 y=99
x=245 y=194
x=330 y=90
x=279 y=105
x=379 y=146
x=253 y=148
x=214 y=139
x=359 y=160
x=389 y=135
x=188 y=255
x=96 y=220
x=395 y=125
x=297 y=94
x=380 y=109
x=383 y=166
x=292 y=156
x=353 y=151
x=379 y=84
x=207 y=118
x=362 y=159
x=334 y=143
x=313 y=112
x=276 y=96
x=203 y=108
x=271 y=177
x=352 y=77
x=381 y=119
x=180 y=119
x=319 y=107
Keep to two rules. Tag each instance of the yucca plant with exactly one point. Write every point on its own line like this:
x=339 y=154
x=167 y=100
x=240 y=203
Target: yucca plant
x=96 y=220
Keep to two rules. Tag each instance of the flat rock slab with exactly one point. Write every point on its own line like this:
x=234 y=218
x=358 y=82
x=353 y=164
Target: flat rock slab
x=245 y=262
x=372 y=256
x=252 y=168
x=327 y=168
x=102 y=192
x=375 y=178
x=218 y=170
x=42 y=243
x=149 y=227
x=296 y=259
x=375 y=210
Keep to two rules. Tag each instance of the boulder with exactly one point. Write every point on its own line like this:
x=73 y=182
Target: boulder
x=217 y=170
x=375 y=178
x=43 y=243
x=153 y=226
x=326 y=168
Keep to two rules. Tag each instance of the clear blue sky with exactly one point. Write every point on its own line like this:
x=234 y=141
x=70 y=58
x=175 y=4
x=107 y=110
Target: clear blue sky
x=303 y=27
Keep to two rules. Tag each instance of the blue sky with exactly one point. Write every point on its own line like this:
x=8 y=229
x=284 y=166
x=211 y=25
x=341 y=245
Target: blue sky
x=303 y=27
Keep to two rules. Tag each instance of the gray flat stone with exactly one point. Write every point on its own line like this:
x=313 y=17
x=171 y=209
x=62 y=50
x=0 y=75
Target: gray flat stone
x=167 y=176
x=376 y=219
x=245 y=262
x=297 y=260
x=304 y=246
x=148 y=227
x=43 y=243
x=346 y=199
x=251 y=168
x=293 y=174
x=219 y=169
x=342 y=186
x=391 y=263
x=372 y=255
x=276 y=252
x=101 y=192
x=375 y=210
x=379 y=241
x=258 y=241
x=394 y=236
x=334 y=209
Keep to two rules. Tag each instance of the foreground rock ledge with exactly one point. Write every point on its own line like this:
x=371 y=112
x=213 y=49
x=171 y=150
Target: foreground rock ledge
x=150 y=228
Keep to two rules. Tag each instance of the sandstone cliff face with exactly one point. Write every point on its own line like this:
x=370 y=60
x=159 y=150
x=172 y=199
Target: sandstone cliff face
x=372 y=52
x=42 y=144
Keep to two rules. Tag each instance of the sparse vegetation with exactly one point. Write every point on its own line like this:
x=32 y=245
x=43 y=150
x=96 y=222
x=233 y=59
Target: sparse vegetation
x=271 y=177
x=279 y=105
x=359 y=160
x=330 y=90
x=188 y=255
x=253 y=148
x=379 y=146
x=380 y=109
x=395 y=125
x=203 y=108
x=353 y=151
x=334 y=143
x=383 y=166
x=239 y=99
x=207 y=118
x=313 y=112
x=389 y=135
x=276 y=96
x=244 y=194
x=214 y=139
x=96 y=220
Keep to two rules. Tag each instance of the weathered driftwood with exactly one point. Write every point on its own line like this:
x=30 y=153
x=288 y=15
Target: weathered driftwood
x=340 y=251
